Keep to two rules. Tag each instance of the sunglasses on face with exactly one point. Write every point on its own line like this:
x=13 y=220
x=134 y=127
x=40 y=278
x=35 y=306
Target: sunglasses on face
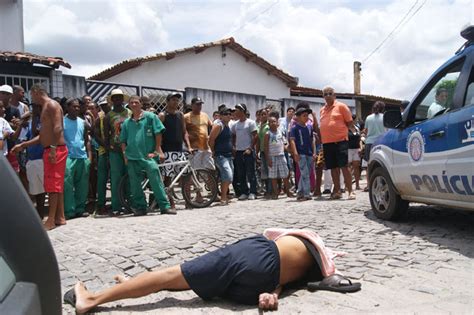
x=328 y=94
x=226 y=114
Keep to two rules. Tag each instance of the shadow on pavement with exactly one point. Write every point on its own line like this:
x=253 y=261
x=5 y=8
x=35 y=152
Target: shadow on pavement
x=449 y=228
x=170 y=302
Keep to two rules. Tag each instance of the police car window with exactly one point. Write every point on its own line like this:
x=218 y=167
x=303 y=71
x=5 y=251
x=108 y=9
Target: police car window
x=469 y=100
x=439 y=98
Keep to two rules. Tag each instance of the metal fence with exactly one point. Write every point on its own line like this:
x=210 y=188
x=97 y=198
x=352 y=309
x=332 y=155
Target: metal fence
x=157 y=96
x=24 y=81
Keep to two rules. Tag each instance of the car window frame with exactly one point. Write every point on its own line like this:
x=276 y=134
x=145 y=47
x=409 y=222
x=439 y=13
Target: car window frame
x=459 y=91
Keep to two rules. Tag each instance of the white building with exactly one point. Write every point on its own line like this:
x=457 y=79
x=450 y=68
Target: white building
x=11 y=25
x=219 y=66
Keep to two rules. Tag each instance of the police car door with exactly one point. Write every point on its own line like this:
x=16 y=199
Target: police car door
x=460 y=154
x=419 y=172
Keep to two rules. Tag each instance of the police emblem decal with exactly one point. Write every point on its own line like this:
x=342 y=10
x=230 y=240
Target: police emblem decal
x=416 y=146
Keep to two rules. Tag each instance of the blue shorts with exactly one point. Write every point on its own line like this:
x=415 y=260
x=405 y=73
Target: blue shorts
x=239 y=272
x=226 y=168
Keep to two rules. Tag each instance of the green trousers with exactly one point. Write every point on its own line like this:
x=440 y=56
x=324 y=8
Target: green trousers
x=135 y=173
x=76 y=187
x=102 y=177
x=117 y=171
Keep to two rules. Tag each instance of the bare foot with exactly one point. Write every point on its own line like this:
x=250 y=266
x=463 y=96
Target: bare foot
x=60 y=222
x=84 y=301
x=48 y=226
x=120 y=278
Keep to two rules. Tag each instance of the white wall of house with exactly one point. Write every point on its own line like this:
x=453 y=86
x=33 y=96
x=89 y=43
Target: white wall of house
x=11 y=25
x=207 y=70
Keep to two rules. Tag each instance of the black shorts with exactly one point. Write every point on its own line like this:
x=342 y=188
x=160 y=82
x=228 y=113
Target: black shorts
x=239 y=272
x=336 y=154
x=368 y=147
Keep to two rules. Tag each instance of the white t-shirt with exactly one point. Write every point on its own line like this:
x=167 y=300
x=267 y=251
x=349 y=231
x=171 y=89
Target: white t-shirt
x=5 y=126
x=243 y=133
x=434 y=109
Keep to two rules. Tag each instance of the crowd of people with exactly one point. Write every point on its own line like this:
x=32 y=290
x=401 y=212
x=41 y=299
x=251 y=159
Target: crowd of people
x=71 y=148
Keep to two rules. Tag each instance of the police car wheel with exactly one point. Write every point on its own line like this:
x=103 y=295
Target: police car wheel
x=385 y=201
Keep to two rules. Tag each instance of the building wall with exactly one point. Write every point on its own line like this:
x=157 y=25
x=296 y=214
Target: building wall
x=212 y=99
x=207 y=70
x=74 y=86
x=11 y=25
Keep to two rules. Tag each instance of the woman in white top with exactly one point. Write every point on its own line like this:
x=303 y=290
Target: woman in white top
x=373 y=129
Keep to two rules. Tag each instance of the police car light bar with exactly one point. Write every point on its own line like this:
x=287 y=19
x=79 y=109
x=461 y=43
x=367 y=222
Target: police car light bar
x=468 y=33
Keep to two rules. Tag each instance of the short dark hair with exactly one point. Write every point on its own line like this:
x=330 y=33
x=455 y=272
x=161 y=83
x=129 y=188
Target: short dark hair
x=17 y=88
x=135 y=97
x=302 y=105
x=71 y=100
x=378 y=107
x=290 y=108
x=214 y=113
x=441 y=90
x=274 y=114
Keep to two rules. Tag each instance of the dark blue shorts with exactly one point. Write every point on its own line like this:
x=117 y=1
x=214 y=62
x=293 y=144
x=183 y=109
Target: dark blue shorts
x=239 y=272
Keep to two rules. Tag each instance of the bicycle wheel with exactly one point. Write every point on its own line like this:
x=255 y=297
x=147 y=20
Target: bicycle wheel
x=201 y=191
x=126 y=196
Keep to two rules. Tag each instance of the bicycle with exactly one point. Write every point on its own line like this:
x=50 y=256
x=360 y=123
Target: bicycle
x=198 y=187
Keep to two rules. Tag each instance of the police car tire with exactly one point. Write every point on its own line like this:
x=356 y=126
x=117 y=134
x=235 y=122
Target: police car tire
x=396 y=205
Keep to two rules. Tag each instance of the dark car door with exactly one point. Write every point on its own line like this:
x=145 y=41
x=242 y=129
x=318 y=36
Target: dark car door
x=29 y=274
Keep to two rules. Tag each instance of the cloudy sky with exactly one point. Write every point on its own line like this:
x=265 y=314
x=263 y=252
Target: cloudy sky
x=400 y=43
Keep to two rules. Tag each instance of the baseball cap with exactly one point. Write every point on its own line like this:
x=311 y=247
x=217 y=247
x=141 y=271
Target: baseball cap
x=197 y=100
x=241 y=107
x=302 y=110
x=6 y=88
x=173 y=94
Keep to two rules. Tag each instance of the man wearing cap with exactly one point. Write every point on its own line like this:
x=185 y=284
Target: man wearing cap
x=198 y=125
x=112 y=127
x=173 y=138
x=336 y=119
x=12 y=115
x=245 y=137
x=102 y=156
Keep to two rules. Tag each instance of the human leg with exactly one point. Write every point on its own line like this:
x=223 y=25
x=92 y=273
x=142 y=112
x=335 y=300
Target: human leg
x=318 y=182
x=53 y=206
x=144 y=284
x=154 y=176
x=249 y=161
x=117 y=170
x=102 y=175
x=356 y=171
x=69 y=200
x=241 y=172
x=81 y=184
x=335 y=174
x=135 y=177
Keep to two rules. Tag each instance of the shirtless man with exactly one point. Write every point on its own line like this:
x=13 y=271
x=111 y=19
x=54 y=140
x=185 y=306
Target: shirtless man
x=51 y=137
x=251 y=271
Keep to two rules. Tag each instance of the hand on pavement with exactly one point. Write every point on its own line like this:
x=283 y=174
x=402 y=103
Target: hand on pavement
x=268 y=301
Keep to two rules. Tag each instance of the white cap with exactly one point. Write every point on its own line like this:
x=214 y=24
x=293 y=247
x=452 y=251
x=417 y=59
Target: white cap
x=6 y=88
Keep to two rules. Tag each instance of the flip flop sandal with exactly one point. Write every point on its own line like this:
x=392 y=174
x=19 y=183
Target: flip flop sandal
x=335 y=283
x=335 y=196
x=70 y=297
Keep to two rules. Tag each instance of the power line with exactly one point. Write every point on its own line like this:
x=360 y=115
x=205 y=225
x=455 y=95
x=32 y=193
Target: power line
x=406 y=18
x=254 y=18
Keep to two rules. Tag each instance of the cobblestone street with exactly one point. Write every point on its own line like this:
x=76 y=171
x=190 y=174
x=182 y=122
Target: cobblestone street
x=422 y=264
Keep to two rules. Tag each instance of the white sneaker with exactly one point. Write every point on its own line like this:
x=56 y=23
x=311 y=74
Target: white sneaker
x=243 y=197
x=252 y=197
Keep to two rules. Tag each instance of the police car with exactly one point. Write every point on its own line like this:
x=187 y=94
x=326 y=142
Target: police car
x=427 y=156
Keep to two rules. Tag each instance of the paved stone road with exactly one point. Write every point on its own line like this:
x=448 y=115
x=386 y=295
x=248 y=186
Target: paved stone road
x=423 y=264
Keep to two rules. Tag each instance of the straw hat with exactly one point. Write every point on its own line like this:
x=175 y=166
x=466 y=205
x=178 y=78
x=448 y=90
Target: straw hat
x=117 y=92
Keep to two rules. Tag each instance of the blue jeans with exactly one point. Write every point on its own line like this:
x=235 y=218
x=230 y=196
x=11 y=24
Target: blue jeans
x=304 y=187
x=226 y=167
x=245 y=170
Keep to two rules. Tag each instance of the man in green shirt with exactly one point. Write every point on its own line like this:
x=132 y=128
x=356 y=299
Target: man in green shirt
x=112 y=125
x=141 y=144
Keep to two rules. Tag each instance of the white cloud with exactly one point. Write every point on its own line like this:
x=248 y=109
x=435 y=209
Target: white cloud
x=315 y=41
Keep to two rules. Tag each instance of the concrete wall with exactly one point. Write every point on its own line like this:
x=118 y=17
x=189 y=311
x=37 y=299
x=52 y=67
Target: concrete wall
x=212 y=99
x=207 y=70
x=74 y=86
x=11 y=25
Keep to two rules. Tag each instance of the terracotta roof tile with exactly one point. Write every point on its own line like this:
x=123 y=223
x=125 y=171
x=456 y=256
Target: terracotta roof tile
x=228 y=42
x=54 y=62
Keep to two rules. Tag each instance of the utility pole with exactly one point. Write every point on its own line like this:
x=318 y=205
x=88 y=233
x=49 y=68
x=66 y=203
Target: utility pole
x=357 y=70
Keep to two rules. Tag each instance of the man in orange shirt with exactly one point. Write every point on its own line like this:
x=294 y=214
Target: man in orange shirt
x=335 y=120
x=198 y=126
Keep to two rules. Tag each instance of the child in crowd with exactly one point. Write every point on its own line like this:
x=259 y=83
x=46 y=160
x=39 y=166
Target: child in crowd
x=302 y=148
x=274 y=148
